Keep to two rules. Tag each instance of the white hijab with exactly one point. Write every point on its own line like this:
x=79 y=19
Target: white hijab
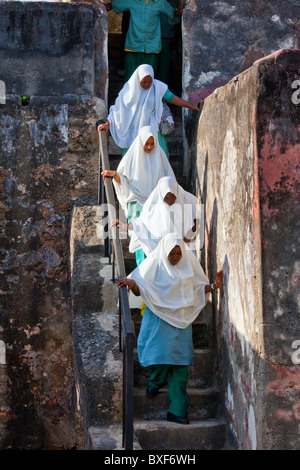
x=158 y=218
x=140 y=171
x=176 y=294
x=135 y=107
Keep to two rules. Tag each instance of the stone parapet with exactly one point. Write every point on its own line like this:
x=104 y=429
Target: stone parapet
x=53 y=49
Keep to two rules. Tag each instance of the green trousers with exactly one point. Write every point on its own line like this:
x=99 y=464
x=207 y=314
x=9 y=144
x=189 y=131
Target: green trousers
x=134 y=59
x=178 y=377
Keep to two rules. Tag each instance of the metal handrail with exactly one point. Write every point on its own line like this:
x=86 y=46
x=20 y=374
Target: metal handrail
x=126 y=327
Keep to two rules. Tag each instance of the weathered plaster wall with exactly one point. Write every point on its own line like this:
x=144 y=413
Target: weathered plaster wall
x=247 y=176
x=278 y=148
x=222 y=39
x=48 y=164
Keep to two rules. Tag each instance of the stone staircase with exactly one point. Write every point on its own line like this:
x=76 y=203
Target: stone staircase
x=175 y=145
x=207 y=430
x=99 y=366
x=99 y=361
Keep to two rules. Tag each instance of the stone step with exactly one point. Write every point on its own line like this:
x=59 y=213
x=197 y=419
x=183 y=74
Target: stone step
x=204 y=404
x=203 y=336
x=164 y=435
x=108 y=437
x=201 y=373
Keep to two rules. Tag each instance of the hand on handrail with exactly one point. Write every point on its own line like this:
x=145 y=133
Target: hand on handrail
x=131 y=285
x=218 y=280
x=119 y=224
x=124 y=281
x=104 y=127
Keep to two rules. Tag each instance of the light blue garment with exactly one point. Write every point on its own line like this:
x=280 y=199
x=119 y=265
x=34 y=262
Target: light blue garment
x=161 y=343
x=144 y=33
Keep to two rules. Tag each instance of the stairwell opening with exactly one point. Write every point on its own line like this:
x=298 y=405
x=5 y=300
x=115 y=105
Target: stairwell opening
x=117 y=27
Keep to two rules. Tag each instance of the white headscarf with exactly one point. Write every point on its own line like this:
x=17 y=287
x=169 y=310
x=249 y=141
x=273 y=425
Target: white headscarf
x=140 y=171
x=135 y=107
x=176 y=294
x=158 y=218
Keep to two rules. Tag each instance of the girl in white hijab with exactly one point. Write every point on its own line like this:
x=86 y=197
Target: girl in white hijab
x=168 y=208
x=138 y=173
x=174 y=287
x=140 y=104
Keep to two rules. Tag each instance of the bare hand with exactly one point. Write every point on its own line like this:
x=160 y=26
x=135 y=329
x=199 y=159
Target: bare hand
x=124 y=281
x=108 y=173
x=197 y=106
x=119 y=224
x=218 y=280
x=104 y=127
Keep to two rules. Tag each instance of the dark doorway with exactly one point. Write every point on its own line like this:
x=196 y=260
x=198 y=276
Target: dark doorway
x=117 y=28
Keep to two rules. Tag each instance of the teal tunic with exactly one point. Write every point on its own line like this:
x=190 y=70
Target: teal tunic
x=161 y=343
x=144 y=32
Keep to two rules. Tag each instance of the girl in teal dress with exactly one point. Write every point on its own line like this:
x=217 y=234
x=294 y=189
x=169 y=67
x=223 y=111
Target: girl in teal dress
x=174 y=287
x=140 y=104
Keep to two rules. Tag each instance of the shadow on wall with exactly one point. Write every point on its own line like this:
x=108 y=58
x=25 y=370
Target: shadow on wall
x=191 y=123
x=259 y=398
x=235 y=383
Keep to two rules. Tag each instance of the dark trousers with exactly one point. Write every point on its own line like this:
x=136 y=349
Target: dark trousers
x=134 y=59
x=177 y=377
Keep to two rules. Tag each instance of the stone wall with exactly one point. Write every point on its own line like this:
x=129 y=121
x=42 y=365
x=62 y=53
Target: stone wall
x=278 y=150
x=49 y=49
x=247 y=177
x=222 y=39
x=48 y=164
